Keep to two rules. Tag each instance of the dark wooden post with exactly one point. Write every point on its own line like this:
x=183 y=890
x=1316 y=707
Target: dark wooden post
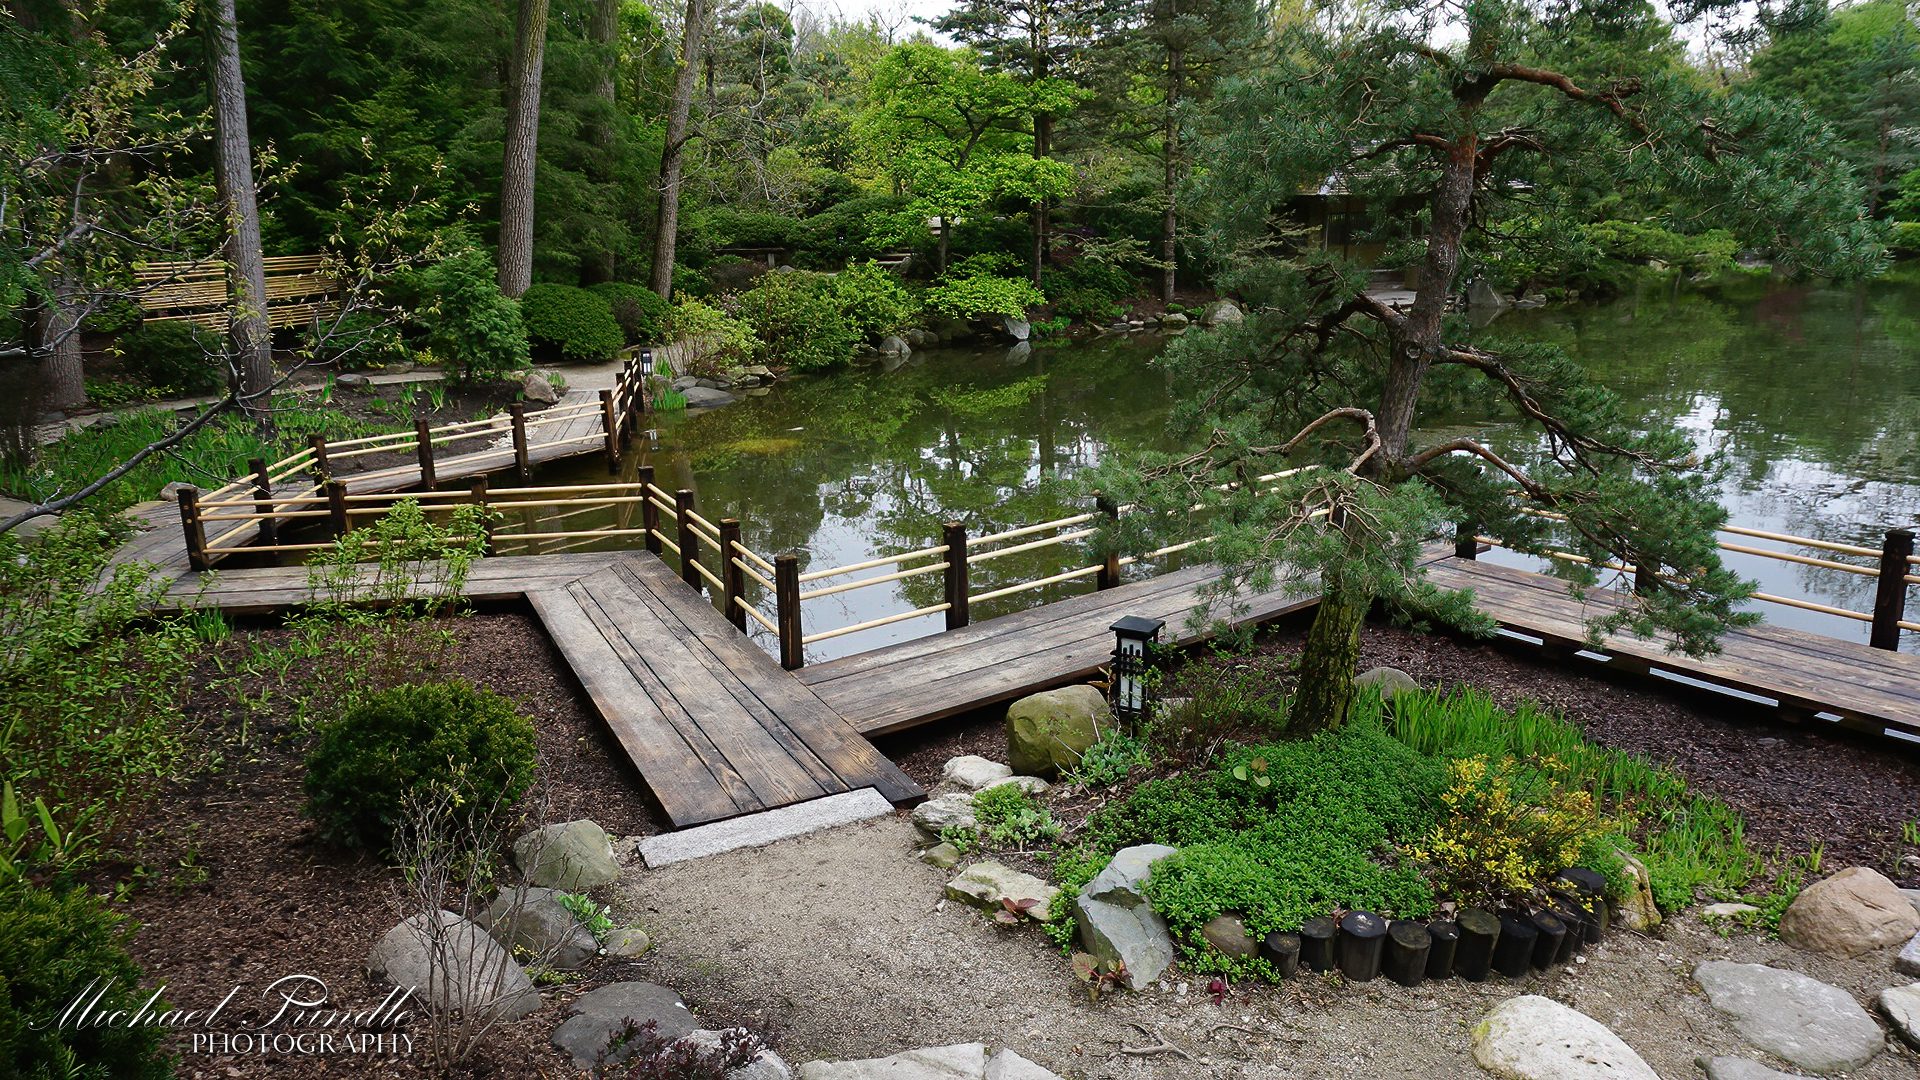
x=607 y=420
x=1645 y=578
x=688 y=540
x=320 y=464
x=263 y=501
x=479 y=490
x=649 y=512
x=1109 y=575
x=1466 y=544
x=423 y=449
x=517 y=414
x=195 y=529
x=954 y=535
x=337 y=507
x=786 y=599
x=733 y=582
x=1890 y=600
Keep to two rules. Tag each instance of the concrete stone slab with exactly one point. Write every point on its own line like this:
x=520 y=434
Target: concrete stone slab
x=758 y=830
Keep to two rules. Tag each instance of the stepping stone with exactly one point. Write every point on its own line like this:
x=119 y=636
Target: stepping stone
x=1534 y=1038
x=986 y=883
x=1908 y=962
x=1739 y=1068
x=601 y=1015
x=963 y=1061
x=765 y=827
x=1815 y=1026
x=1902 y=1006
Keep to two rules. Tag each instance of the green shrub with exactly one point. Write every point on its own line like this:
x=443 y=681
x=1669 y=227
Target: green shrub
x=1503 y=830
x=1010 y=819
x=1086 y=289
x=174 y=357
x=799 y=318
x=468 y=323
x=1638 y=241
x=872 y=299
x=972 y=291
x=52 y=947
x=1904 y=238
x=412 y=740
x=703 y=231
x=571 y=322
x=1108 y=761
x=641 y=313
x=859 y=228
x=711 y=340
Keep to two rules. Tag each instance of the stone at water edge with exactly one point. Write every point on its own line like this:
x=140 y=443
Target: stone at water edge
x=1855 y=911
x=973 y=772
x=1174 y=320
x=1017 y=329
x=572 y=855
x=1534 y=1038
x=1221 y=312
x=986 y=883
x=456 y=967
x=1048 y=731
x=1739 y=1068
x=1815 y=1026
x=535 y=387
x=703 y=397
x=1228 y=934
x=893 y=345
x=534 y=919
x=941 y=856
x=1908 y=962
x=1007 y=1065
x=1115 y=921
x=1902 y=1006
x=597 y=1017
x=962 y=1061
x=1388 y=681
x=950 y=811
x=1636 y=910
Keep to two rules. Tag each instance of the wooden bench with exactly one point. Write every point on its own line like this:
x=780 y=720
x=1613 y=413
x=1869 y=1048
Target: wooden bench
x=300 y=288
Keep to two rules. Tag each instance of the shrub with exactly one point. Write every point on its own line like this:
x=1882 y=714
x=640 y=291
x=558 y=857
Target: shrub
x=1108 y=761
x=971 y=291
x=1009 y=818
x=1637 y=241
x=1904 y=238
x=799 y=318
x=871 y=299
x=449 y=736
x=52 y=946
x=571 y=321
x=1503 y=831
x=703 y=231
x=1086 y=289
x=175 y=357
x=712 y=341
x=641 y=313
x=468 y=322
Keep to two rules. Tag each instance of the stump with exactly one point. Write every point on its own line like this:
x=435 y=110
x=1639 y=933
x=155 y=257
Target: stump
x=1552 y=937
x=1446 y=941
x=1408 y=946
x=1479 y=933
x=1513 y=952
x=1282 y=950
x=1363 y=941
x=1316 y=944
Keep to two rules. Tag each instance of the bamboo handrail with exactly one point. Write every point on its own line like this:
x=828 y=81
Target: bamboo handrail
x=763 y=563
x=1031 y=545
x=754 y=574
x=664 y=542
x=1055 y=579
x=712 y=578
x=1809 y=605
x=816 y=575
x=702 y=523
x=507 y=534
x=873 y=623
x=1062 y=523
x=397 y=448
x=1905 y=625
x=666 y=508
x=862 y=583
x=303 y=455
x=256 y=518
x=1801 y=541
x=1787 y=556
x=754 y=614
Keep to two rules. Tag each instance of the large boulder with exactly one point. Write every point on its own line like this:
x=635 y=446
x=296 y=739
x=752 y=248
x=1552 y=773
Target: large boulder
x=453 y=965
x=534 y=919
x=706 y=397
x=893 y=345
x=1017 y=329
x=535 y=387
x=1117 y=925
x=1220 y=313
x=1855 y=911
x=1007 y=1065
x=1048 y=731
x=1818 y=1027
x=987 y=883
x=1902 y=1006
x=1536 y=1038
x=963 y=1061
x=1388 y=681
x=1174 y=320
x=598 y=1017
x=572 y=855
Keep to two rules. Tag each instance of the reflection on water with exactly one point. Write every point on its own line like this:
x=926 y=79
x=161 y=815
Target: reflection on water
x=1813 y=396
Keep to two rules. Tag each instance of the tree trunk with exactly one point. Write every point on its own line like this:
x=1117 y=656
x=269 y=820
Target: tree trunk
x=522 y=147
x=1042 y=145
x=252 y=373
x=604 y=30
x=679 y=113
x=1170 y=182
x=62 y=379
x=1418 y=339
x=1327 y=660
x=946 y=245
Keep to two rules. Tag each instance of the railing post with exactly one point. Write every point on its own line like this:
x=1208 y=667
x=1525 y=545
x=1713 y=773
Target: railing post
x=1466 y=543
x=649 y=510
x=517 y=414
x=786 y=600
x=1109 y=575
x=479 y=493
x=423 y=448
x=337 y=507
x=733 y=583
x=612 y=425
x=688 y=540
x=195 y=529
x=954 y=535
x=263 y=501
x=321 y=466
x=1890 y=600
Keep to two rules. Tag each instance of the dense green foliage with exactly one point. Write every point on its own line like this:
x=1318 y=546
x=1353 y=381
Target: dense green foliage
x=410 y=741
x=469 y=325
x=797 y=317
x=172 y=357
x=641 y=313
x=975 y=289
x=569 y=322
x=712 y=340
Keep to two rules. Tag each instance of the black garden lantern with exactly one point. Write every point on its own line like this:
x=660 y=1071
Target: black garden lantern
x=646 y=363
x=1133 y=642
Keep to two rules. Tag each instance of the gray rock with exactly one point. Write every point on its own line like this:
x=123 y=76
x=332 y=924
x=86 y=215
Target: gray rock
x=1636 y=910
x=533 y=919
x=894 y=345
x=1007 y=1065
x=1739 y=1068
x=1048 y=731
x=952 y=811
x=31 y=527
x=1530 y=302
x=973 y=772
x=1220 y=313
x=1818 y=1027
x=628 y=941
x=535 y=387
x=171 y=492
x=685 y=383
x=917 y=338
x=1728 y=911
x=760 y=372
x=1855 y=911
x=1389 y=681
x=766 y=1065
x=1020 y=353
x=1908 y=962
x=1116 y=924
x=352 y=380
x=715 y=384
x=1032 y=785
x=764 y=827
x=986 y=883
x=1483 y=295
x=1535 y=1038
x=1017 y=329
x=963 y=1061
x=604 y=1013
x=573 y=855
x=705 y=397
x=453 y=966
x=1228 y=934
x=1174 y=320
x=941 y=856
x=1913 y=896
x=1902 y=1006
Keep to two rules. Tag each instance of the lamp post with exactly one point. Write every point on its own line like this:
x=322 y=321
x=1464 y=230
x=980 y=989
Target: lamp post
x=1133 y=640
x=646 y=363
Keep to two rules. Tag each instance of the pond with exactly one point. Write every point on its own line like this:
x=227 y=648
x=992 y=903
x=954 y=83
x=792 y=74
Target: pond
x=1812 y=394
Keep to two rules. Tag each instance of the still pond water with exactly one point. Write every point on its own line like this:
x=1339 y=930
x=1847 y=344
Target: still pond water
x=1811 y=394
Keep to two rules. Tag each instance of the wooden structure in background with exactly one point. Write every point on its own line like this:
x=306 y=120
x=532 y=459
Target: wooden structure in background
x=300 y=289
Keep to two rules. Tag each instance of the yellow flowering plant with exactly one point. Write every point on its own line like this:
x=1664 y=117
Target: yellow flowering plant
x=1503 y=831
